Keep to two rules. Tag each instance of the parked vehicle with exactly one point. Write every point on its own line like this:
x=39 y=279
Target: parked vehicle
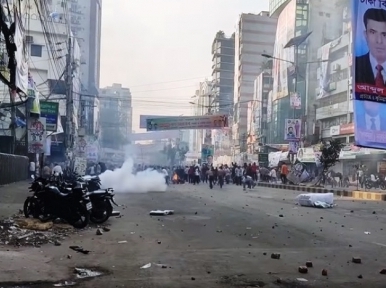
x=375 y=183
x=51 y=201
x=102 y=199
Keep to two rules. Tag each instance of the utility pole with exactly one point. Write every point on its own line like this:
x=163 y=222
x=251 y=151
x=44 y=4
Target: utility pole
x=70 y=101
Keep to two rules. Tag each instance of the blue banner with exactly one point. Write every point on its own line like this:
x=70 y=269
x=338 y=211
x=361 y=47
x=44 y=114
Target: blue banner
x=369 y=88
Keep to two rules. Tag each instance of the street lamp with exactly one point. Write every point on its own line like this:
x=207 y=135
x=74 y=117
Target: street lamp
x=276 y=58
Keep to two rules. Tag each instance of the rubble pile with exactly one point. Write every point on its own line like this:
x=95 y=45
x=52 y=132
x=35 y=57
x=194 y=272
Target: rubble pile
x=20 y=231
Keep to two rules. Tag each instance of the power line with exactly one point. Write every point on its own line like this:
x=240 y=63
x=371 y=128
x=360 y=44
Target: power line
x=172 y=81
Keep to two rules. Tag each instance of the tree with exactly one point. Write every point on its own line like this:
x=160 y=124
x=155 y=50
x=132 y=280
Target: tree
x=330 y=151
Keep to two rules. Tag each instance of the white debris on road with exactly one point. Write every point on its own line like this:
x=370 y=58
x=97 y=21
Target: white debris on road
x=318 y=200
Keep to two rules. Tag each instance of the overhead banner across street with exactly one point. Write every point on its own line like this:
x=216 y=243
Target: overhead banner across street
x=369 y=41
x=187 y=122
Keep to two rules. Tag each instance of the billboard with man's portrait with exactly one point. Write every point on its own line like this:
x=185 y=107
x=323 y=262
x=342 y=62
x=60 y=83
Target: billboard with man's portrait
x=369 y=45
x=292 y=129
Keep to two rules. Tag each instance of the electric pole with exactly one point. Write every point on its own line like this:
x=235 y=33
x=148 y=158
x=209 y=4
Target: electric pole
x=69 y=100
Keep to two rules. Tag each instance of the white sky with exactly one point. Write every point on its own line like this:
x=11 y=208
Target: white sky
x=161 y=49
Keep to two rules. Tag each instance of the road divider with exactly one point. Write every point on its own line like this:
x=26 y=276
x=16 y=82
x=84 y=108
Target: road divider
x=362 y=195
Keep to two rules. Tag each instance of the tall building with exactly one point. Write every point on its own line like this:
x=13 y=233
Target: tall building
x=255 y=35
x=260 y=111
x=223 y=68
x=333 y=94
x=86 y=19
x=202 y=99
x=115 y=116
x=303 y=27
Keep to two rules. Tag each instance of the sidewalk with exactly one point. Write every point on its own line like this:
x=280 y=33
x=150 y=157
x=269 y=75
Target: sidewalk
x=12 y=197
x=338 y=191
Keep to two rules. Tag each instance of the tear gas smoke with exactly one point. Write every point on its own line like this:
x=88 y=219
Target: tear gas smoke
x=123 y=180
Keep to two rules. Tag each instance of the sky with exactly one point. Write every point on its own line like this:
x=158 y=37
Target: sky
x=161 y=50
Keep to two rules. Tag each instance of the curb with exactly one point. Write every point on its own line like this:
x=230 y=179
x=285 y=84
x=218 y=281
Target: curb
x=374 y=196
x=360 y=195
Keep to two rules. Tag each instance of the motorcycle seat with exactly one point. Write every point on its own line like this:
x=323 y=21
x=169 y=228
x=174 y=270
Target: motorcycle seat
x=56 y=191
x=97 y=192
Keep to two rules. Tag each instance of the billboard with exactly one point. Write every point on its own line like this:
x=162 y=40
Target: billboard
x=143 y=118
x=369 y=44
x=285 y=31
x=292 y=129
x=323 y=72
x=207 y=153
x=50 y=111
x=187 y=122
x=295 y=101
x=37 y=135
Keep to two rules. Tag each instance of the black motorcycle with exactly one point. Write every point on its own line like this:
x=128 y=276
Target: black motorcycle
x=30 y=207
x=101 y=199
x=378 y=183
x=73 y=206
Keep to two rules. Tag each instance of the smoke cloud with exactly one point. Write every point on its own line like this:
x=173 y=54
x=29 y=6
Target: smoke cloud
x=123 y=180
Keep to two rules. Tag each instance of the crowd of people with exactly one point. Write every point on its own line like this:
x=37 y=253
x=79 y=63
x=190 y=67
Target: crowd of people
x=245 y=175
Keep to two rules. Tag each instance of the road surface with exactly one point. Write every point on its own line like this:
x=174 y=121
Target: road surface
x=218 y=238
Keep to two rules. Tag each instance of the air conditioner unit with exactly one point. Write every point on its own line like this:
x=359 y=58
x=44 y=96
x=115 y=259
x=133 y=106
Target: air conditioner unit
x=335 y=67
x=29 y=39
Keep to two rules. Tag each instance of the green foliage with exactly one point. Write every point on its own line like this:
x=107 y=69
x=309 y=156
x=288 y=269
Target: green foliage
x=330 y=154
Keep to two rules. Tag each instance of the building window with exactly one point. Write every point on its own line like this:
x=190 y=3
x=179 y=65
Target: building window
x=36 y=50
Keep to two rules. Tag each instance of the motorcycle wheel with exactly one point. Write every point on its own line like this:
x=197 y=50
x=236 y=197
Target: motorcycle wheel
x=28 y=207
x=101 y=212
x=368 y=185
x=83 y=220
x=382 y=186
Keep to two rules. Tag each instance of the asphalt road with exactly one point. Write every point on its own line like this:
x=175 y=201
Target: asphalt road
x=219 y=238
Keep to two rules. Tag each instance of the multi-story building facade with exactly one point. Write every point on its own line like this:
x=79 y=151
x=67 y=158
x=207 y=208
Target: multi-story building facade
x=223 y=68
x=255 y=35
x=260 y=112
x=202 y=106
x=334 y=105
x=297 y=18
x=115 y=116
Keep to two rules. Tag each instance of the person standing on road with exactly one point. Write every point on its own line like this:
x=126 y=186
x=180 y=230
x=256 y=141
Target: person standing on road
x=238 y=174
x=273 y=175
x=32 y=169
x=360 y=175
x=283 y=173
x=247 y=181
x=166 y=175
x=196 y=176
x=254 y=171
x=210 y=174
x=221 y=176
x=228 y=174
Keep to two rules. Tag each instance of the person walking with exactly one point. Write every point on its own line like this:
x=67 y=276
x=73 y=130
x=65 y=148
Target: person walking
x=221 y=176
x=210 y=174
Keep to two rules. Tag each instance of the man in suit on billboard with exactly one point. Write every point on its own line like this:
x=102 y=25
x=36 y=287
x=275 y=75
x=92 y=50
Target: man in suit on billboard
x=370 y=68
x=370 y=116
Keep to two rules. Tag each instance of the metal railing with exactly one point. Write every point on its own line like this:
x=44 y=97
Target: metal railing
x=13 y=168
